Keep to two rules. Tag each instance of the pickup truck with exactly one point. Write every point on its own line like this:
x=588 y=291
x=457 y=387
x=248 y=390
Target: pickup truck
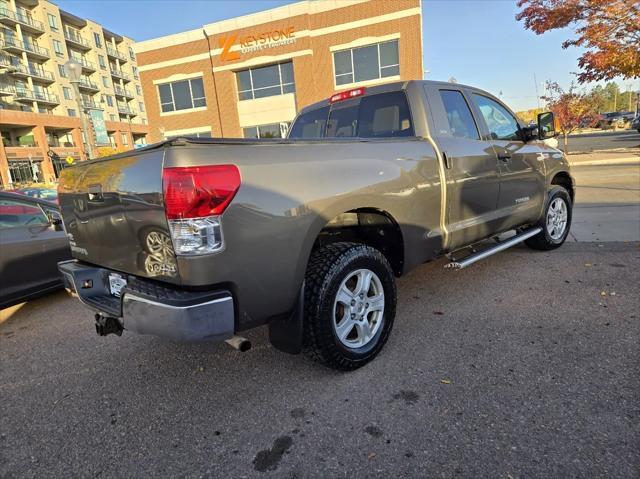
x=200 y=239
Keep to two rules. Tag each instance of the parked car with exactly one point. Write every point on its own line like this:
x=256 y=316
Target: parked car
x=307 y=234
x=635 y=124
x=48 y=194
x=614 y=119
x=32 y=242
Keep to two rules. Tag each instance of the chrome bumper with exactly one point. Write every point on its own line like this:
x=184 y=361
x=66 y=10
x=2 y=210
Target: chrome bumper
x=146 y=307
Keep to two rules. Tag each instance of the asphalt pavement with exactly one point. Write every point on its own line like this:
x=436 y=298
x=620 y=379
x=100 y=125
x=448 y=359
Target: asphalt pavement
x=527 y=364
x=601 y=140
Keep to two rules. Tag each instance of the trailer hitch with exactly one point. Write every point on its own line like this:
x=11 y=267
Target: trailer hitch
x=107 y=325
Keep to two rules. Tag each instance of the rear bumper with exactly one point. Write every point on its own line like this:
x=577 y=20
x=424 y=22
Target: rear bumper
x=147 y=307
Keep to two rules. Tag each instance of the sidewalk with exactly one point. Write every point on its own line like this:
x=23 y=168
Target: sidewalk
x=623 y=156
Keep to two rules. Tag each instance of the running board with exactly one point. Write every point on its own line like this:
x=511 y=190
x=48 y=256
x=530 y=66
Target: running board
x=474 y=257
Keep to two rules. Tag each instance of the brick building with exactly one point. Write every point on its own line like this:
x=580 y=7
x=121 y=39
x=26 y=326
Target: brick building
x=248 y=76
x=39 y=117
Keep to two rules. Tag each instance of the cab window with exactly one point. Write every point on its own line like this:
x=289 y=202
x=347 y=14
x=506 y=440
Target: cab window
x=459 y=117
x=502 y=124
x=385 y=115
x=19 y=213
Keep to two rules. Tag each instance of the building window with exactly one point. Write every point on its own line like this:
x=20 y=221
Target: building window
x=57 y=46
x=102 y=62
x=138 y=90
x=273 y=130
x=97 y=39
x=131 y=54
x=144 y=121
x=105 y=81
x=141 y=106
x=265 y=81
x=125 y=139
x=62 y=71
x=135 y=72
x=182 y=95
x=53 y=22
x=200 y=134
x=66 y=92
x=366 y=63
x=109 y=100
x=112 y=117
x=71 y=112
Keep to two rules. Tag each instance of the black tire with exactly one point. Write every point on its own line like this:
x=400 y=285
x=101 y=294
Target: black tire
x=543 y=240
x=328 y=267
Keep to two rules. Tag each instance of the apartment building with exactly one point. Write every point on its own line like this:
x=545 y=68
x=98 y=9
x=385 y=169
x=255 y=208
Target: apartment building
x=248 y=76
x=39 y=115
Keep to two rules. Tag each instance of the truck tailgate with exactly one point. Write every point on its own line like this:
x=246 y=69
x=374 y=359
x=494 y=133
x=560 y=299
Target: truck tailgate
x=114 y=216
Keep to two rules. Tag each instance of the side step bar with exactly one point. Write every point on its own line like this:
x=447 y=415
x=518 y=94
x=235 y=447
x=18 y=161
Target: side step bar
x=472 y=258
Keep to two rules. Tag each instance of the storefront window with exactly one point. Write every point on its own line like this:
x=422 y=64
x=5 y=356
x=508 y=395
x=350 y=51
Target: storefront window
x=265 y=81
x=366 y=63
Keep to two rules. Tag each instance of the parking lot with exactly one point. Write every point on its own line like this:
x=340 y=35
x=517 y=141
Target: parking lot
x=525 y=365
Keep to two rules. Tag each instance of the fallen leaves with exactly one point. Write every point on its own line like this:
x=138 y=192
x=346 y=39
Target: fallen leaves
x=445 y=381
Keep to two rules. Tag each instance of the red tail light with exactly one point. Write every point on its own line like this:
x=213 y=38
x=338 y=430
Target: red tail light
x=345 y=95
x=199 y=191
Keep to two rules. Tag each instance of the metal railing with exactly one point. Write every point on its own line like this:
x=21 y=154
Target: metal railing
x=123 y=92
x=45 y=97
x=7 y=89
x=119 y=73
x=83 y=82
x=34 y=72
x=25 y=46
x=22 y=19
x=125 y=110
x=86 y=64
x=90 y=105
x=77 y=39
x=112 y=52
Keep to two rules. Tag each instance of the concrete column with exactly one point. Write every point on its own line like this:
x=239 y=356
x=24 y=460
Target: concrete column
x=46 y=168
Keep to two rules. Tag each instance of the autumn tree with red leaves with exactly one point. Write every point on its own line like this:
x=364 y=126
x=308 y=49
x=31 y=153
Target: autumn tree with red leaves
x=609 y=31
x=571 y=109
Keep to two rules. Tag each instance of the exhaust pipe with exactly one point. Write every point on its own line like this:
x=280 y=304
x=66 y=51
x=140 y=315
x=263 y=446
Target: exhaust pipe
x=239 y=343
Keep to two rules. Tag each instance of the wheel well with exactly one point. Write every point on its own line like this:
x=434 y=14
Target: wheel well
x=368 y=226
x=563 y=179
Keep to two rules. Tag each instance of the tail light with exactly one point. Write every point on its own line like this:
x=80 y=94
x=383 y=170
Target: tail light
x=194 y=199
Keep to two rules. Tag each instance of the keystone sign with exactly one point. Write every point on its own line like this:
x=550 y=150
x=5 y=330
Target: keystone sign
x=254 y=43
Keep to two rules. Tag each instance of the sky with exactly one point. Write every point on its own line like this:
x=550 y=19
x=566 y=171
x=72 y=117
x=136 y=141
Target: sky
x=478 y=42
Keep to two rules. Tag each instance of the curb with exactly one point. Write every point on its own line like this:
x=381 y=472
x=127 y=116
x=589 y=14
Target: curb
x=612 y=161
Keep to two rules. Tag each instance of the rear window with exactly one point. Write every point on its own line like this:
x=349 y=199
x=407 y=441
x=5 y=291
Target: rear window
x=385 y=115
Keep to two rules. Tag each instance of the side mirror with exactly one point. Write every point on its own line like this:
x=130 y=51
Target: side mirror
x=55 y=218
x=546 y=125
x=529 y=133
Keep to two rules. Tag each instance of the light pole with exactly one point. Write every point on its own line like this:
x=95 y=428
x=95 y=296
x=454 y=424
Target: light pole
x=74 y=71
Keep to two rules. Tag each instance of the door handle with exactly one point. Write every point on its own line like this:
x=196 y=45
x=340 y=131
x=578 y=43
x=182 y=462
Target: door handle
x=504 y=156
x=447 y=160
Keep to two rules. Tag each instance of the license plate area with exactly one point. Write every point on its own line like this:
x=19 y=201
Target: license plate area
x=116 y=283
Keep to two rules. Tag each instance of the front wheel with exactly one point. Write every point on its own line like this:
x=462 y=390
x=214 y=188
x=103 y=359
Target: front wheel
x=350 y=305
x=555 y=223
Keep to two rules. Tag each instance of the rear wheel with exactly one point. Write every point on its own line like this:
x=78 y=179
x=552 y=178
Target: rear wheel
x=555 y=223
x=350 y=302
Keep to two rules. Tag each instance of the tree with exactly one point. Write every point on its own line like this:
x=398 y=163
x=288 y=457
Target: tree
x=609 y=31
x=571 y=109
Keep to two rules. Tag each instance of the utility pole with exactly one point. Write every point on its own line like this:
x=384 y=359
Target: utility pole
x=74 y=71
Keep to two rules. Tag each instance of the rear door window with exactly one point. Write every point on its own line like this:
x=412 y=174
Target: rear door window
x=385 y=115
x=460 y=120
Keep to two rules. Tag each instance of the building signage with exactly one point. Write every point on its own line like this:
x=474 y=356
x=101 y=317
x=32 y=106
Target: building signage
x=99 y=127
x=255 y=42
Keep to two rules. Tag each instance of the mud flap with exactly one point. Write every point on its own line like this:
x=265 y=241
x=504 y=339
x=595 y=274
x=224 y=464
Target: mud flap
x=285 y=333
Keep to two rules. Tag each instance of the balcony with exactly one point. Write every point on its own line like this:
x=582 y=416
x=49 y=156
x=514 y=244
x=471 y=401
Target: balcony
x=14 y=45
x=27 y=23
x=86 y=84
x=120 y=74
x=39 y=96
x=87 y=66
x=125 y=110
x=76 y=40
x=114 y=53
x=33 y=72
x=6 y=89
x=90 y=105
x=123 y=92
x=8 y=64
